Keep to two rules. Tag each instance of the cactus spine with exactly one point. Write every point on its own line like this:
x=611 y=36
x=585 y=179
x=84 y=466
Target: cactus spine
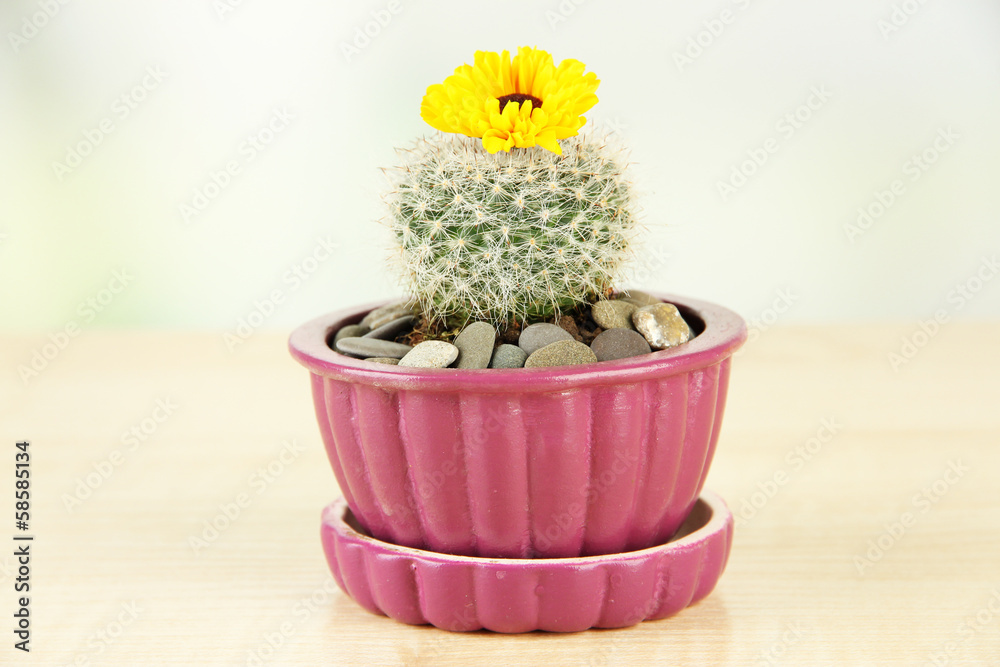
x=509 y=237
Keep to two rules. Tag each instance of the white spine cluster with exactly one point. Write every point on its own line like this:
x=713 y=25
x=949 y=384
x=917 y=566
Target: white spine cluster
x=509 y=237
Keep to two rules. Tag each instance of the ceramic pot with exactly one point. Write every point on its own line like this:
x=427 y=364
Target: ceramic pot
x=524 y=463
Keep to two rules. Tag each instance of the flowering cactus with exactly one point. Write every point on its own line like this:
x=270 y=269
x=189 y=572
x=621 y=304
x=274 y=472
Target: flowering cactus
x=508 y=224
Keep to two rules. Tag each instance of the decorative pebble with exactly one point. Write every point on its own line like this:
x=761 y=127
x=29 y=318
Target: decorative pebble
x=613 y=314
x=383 y=360
x=371 y=347
x=638 y=298
x=388 y=313
x=430 y=354
x=619 y=344
x=508 y=356
x=393 y=328
x=475 y=345
x=662 y=325
x=561 y=353
x=567 y=323
x=351 y=331
x=537 y=336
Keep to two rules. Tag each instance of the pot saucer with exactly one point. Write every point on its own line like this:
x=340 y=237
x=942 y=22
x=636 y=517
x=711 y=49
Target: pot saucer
x=463 y=593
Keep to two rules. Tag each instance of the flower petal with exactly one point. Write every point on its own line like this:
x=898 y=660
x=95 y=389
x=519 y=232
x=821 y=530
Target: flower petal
x=547 y=140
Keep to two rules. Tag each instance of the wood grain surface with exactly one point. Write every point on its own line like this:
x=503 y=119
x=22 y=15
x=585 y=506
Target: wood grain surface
x=867 y=502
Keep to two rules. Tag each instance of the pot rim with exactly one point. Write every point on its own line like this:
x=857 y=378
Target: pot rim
x=723 y=333
x=710 y=517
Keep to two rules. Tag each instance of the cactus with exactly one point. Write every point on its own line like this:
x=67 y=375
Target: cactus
x=509 y=237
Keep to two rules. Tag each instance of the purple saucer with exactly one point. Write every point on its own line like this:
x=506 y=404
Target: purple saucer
x=462 y=593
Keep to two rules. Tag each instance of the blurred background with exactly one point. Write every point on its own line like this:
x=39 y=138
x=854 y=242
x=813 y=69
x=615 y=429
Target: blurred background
x=214 y=164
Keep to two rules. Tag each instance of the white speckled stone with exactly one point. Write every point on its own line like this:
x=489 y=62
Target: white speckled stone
x=430 y=354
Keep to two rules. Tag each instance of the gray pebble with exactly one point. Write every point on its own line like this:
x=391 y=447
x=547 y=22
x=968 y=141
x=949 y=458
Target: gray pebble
x=393 y=328
x=475 y=345
x=508 y=356
x=639 y=298
x=388 y=313
x=619 y=344
x=537 y=336
x=371 y=347
x=389 y=361
x=613 y=314
x=561 y=353
x=430 y=354
x=351 y=331
x=662 y=325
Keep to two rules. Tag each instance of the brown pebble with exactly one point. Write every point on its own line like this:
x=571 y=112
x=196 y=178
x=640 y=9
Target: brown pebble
x=511 y=334
x=588 y=335
x=569 y=326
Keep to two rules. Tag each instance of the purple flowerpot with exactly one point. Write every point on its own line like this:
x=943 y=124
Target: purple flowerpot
x=524 y=463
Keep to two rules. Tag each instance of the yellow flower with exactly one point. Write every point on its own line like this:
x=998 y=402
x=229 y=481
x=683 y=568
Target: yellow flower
x=521 y=103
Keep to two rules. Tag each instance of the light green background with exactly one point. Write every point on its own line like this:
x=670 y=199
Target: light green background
x=227 y=71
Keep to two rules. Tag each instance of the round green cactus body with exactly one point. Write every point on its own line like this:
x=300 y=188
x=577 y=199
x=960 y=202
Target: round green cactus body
x=509 y=237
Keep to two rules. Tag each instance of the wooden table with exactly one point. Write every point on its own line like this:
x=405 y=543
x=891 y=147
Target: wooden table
x=826 y=453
